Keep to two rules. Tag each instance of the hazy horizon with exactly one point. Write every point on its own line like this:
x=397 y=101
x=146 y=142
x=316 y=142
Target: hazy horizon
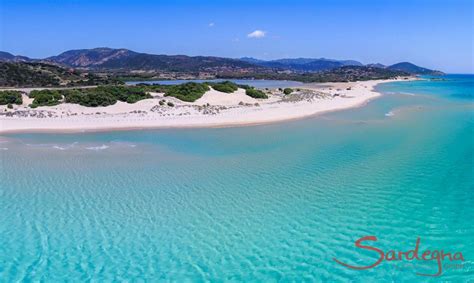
x=383 y=32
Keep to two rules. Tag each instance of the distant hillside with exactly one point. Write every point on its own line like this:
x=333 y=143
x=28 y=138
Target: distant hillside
x=376 y=65
x=8 y=57
x=23 y=74
x=341 y=74
x=98 y=65
x=124 y=60
x=322 y=64
x=90 y=57
x=413 y=69
x=177 y=63
x=107 y=58
x=303 y=64
x=360 y=73
x=27 y=74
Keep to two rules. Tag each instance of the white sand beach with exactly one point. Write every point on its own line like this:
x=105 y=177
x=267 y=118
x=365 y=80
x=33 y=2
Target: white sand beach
x=214 y=109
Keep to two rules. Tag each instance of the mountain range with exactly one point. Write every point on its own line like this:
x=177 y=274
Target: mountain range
x=303 y=64
x=323 y=64
x=124 y=59
x=8 y=57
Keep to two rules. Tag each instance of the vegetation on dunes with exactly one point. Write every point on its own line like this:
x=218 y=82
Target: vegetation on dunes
x=287 y=90
x=188 y=92
x=109 y=95
x=90 y=97
x=245 y=86
x=226 y=86
x=255 y=93
x=154 y=87
x=192 y=91
x=10 y=97
x=106 y=95
x=46 y=97
x=130 y=94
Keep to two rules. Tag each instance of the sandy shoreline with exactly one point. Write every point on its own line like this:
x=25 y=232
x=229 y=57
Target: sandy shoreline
x=214 y=109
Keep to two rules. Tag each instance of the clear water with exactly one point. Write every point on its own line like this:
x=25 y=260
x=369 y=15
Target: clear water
x=254 y=83
x=267 y=203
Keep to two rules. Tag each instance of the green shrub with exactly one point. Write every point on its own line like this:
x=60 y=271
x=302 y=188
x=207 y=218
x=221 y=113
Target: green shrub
x=226 y=86
x=10 y=97
x=245 y=86
x=255 y=93
x=287 y=90
x=130 y=94
x=154 y=87
x=105 y=95
x=162 y=102
x=189 y=92
x=91 y=99
x=45 y=97
x=133 y=98
x=10 y=106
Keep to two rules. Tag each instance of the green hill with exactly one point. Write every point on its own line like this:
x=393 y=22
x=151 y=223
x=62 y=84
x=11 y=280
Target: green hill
x=413 y=69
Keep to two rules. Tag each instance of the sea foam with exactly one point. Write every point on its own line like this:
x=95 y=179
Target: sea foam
x=102 y=147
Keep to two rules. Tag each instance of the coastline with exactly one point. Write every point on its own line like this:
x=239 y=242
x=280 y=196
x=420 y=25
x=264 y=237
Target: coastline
x=214 y=109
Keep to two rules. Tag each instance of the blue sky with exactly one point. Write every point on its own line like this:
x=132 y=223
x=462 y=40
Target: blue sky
x=431 y=33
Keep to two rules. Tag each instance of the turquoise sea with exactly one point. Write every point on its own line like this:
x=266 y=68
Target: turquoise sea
x=267 y=203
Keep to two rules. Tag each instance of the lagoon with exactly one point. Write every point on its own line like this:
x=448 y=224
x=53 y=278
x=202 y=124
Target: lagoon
x=254 y=83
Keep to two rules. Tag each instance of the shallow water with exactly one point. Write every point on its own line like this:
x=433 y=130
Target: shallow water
x=266 y=203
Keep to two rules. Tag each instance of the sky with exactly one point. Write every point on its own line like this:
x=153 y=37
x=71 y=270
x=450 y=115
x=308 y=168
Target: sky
x=430 y=33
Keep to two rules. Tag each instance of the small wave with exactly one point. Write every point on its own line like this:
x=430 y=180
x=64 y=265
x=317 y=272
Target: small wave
x=3 y=148
x=389 y=114
x=119 y=143
x=399 y=92
x=102 y=147
x=39 y=144
x=65 y=147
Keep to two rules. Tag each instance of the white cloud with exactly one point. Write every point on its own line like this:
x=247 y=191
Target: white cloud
x=211 y=25
x=257 y=34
